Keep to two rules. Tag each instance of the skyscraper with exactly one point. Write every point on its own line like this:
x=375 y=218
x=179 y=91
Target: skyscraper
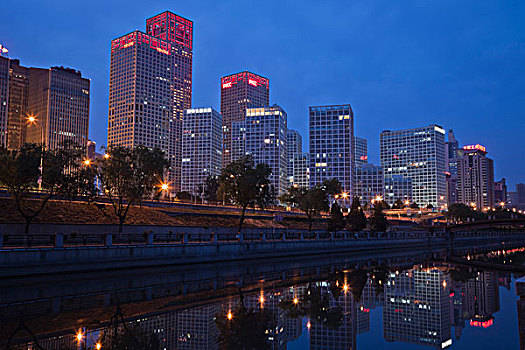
x=151 y=86
x=500 y=191
x=418 y=154
x=301 y=172
x=4 y=97
x=59 y=100
x=238 y=92
x=452 y=153
x=265 y=141
x=294 y=149
x=476 y=178
x=369 y=182
x=520 y=193
x=360 y=151
x=18 y=104
x=331 y=145
x=201 y=147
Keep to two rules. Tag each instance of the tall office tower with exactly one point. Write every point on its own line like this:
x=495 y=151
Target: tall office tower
x=398 y=187
x=360 y=151
x=4 y=98
x=452 y=154
x=418 y=154
x=331 y=145
x=201 y=148
x=18 y=104
x=369 y=182
x=294 y=147
x=301 y=172
x=417 y=307
x=238 y=92
x=482 y=298
x=92 y=150
x=59 y=100
x=266 y=142
x=150 y=87
x=500 y=192
x=520 y=193
x=476 y=178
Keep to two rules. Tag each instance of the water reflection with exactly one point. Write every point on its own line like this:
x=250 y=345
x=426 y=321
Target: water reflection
x=429 y=304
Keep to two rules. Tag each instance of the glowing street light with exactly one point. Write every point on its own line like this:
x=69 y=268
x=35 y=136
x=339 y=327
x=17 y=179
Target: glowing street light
x=32 y=120
x=295 y=300
x=106 y=156
x=164 y=187
x=345 y=287
x=229 y=316
x=87 y=162
x=80 y=336
x=98 y=346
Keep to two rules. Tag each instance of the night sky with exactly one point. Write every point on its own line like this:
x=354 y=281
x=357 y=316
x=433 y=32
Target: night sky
x=400 y=64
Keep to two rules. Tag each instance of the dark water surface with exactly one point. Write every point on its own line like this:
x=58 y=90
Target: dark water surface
x=416 y=299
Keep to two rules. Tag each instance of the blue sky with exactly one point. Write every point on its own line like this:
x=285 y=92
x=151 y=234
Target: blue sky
x=400 y=64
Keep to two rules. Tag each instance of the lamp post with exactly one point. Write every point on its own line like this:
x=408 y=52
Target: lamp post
x=32 y=119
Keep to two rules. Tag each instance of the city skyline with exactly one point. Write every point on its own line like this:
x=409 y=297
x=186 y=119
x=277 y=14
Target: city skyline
x=419 y=81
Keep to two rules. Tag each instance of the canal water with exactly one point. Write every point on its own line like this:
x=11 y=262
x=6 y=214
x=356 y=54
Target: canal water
x=417 y=299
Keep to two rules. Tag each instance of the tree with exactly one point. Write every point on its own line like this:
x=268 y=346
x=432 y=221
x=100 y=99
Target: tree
x=332 y=187
x=337 y=220
x=246 y=185
x=356 y=219
x=211 y=186
x=430 y=206
x=310 y=201
x=129 y=175
x=378 y=220
x=462 y=211
x=63 y=173
x=398 y=204
x=414 y=205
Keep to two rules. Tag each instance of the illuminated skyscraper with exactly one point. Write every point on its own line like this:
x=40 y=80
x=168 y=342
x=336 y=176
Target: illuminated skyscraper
x=18 y=104
x=59 y=100
x=4 y=97
x=418 y=154
x=239 y=92
x=331 y=145
x=476 y=178
x=201 y=147
x=151 y=86
x=360 y=151
x=369 y=182
x=294 y=149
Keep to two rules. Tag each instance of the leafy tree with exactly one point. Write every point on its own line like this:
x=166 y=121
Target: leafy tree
x=246 y=185
x=311 y=201
x=356 y=219
x=414 y=205
x=398 y=204
x=129 y=175
x=63 y=173
x=378 y=220
x=430 y=206
x=331 y=186
x=211 y=186
x=185 y=196
x=337 y=220
x=462 y=212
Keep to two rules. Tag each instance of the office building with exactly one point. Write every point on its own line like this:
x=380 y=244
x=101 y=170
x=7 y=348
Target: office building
x=398 y=187
x=452 y=153
x=369 y=182
x=239 y=92
x=520 y=193
x=331 y=145
x=17 y=103
x=500 y=192
x=201 y=148
x=476 y=178
x=360 y=151
x=419 y=155
x=301 y=172
x=294 y=148
x=151 y=86
x=59 y=100
x=265 y=141
x=4 y=98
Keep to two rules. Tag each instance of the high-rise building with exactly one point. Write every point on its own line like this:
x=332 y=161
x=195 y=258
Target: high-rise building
x=59 y=100
x=476 y=178
x=301 y=172
x=201 y=147
x=265 y=141
x=500 y=191
x=369 y=182
x=239 y=92
x=4 y=98
x=17 y=104
x=452 y=154
x=92 y=150
x=294 y=148
x=520 y=193
x=360 y=151
x=418 y=154
x=398 y=187
x=151 y=86
x=331 y=145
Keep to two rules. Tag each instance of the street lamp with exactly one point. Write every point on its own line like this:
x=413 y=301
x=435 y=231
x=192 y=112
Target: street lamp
x=32 y=120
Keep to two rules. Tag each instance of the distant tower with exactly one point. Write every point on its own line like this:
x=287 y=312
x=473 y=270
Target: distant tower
x=476 y=178
x=151 y=86
x=294 y=149
x=238 y=92
x=360 y=151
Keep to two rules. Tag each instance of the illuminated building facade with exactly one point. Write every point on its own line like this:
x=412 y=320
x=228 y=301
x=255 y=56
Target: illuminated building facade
x=331 y=145
x=239 y=92
x=360 y=151
x=398 y=187
x=500 y=192
x=418 y=154
x=201 y=147
x=18 y=104
x=4 y=97
x=417 y=307
x=265 y=141
x=369 y=182
x=59 y=99
x=476 y=178
x=452 y=153
x=294 y=148
x=151 y=86
x=301 y=172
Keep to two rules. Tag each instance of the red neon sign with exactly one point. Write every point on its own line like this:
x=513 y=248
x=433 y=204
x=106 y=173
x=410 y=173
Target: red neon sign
x=252 y=82
x=171 y=27
x=364 y=158
x=141 y=38
x=484 y=324
x=475 y=147
x=246 y=77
